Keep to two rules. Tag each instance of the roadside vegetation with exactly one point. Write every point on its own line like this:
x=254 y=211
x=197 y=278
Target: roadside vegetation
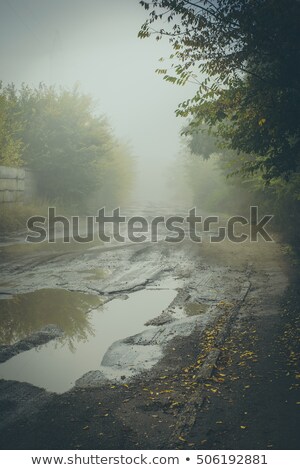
x=13 y=217
x=77 y=161
x=243 y=58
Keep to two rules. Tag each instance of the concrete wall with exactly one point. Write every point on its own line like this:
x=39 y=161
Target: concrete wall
x=17 y=185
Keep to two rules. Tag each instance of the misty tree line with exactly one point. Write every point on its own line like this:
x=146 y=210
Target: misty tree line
x=72 y=151
x=243 y=56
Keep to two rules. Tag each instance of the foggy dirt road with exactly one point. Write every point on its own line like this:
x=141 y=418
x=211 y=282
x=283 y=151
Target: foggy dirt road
x=201 y=369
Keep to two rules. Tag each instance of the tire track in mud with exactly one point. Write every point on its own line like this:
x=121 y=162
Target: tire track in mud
x=187 y=417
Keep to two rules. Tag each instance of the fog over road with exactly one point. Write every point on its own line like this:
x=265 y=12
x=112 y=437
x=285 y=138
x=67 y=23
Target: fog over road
x=94 y=45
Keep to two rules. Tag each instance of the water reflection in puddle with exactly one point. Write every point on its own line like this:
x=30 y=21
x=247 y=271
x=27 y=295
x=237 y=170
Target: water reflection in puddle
x=56 y=366
x=24 y=314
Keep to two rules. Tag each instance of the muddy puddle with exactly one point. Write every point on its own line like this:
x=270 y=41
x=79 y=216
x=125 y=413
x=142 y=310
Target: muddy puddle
x=24 y=314
x=90 y=329
x=192 y=309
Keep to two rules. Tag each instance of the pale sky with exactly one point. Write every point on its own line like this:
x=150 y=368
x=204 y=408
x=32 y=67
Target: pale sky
x=94 y=43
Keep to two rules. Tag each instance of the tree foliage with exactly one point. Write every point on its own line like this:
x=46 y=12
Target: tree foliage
x=244 y=56
x=11 y=146
x=206 y=179
x=72 y=151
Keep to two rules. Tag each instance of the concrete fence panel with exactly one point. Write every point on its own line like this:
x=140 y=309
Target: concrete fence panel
x=16 y=185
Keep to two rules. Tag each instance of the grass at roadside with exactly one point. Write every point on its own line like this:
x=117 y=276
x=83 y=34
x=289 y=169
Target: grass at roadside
x=13 y=217
x=13 y=222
